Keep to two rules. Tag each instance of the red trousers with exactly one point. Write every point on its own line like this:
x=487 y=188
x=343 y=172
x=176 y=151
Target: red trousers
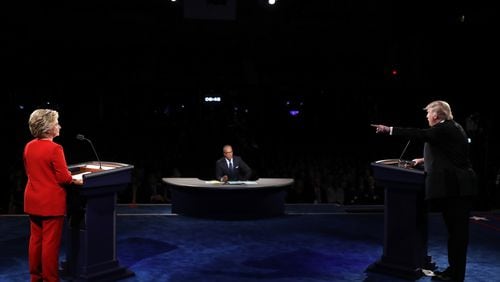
x=45 y=242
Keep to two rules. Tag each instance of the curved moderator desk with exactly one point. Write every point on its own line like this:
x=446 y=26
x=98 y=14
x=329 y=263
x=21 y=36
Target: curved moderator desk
x=212 y=199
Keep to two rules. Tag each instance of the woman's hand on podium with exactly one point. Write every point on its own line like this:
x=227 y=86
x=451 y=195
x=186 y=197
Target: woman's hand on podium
x=77 y=181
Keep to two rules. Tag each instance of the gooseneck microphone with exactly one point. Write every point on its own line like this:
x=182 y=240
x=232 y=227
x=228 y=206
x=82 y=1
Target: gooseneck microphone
x=403 y=163
x=81 y=137
x=404 y=150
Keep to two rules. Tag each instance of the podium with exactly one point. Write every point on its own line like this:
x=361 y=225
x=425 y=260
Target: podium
x=91 y=222
x=405 y=220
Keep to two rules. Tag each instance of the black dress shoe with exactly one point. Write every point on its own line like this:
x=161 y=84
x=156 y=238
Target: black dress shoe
x=442 y=277
x=446 y=277
x=446 y=272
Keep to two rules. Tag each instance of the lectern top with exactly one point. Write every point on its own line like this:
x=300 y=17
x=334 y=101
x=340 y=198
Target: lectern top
x=96 y=174
x=388 y=161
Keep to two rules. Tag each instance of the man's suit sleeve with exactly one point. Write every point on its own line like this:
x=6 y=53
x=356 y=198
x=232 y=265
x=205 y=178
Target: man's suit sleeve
x=246 y=171
x=219 y=173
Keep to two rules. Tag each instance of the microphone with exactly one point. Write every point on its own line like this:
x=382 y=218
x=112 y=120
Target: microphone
x=81 y=137
x=400 y=161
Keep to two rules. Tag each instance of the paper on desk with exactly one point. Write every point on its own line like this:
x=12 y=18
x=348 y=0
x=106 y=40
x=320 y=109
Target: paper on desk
x=99 y=167
x=79 y=176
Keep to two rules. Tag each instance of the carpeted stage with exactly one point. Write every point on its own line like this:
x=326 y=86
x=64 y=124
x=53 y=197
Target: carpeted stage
x=311 y=243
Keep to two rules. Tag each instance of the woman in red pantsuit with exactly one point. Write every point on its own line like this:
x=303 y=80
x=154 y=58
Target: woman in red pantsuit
x=45 y=194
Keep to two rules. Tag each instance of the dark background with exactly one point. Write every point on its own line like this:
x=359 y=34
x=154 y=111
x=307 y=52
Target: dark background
x=132 y=77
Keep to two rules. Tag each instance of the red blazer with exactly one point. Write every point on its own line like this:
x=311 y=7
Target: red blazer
x=47 y=173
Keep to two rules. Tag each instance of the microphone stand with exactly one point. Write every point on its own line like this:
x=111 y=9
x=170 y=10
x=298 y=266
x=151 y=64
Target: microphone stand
x=81 y=137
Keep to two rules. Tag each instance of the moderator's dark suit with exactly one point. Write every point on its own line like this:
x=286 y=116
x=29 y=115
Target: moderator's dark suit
x=450 y=183
x=240 y=171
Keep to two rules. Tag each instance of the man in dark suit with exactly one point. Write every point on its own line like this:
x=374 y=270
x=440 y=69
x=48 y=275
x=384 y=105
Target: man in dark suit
x=230 y=167
x=450 y=183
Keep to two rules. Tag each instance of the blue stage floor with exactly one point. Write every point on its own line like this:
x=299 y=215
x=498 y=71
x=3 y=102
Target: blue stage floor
x=311 y=243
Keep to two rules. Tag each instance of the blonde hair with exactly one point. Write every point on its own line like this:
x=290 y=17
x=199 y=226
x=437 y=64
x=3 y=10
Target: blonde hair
x=441 y=108
x=41 y=121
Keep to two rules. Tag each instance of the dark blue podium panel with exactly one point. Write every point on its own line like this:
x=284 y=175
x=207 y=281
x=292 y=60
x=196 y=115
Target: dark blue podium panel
x=405 y=220
x=91 y=222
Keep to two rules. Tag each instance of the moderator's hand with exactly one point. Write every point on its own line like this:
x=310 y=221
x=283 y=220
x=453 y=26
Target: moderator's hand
x=379 y=128
x=224 y=178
